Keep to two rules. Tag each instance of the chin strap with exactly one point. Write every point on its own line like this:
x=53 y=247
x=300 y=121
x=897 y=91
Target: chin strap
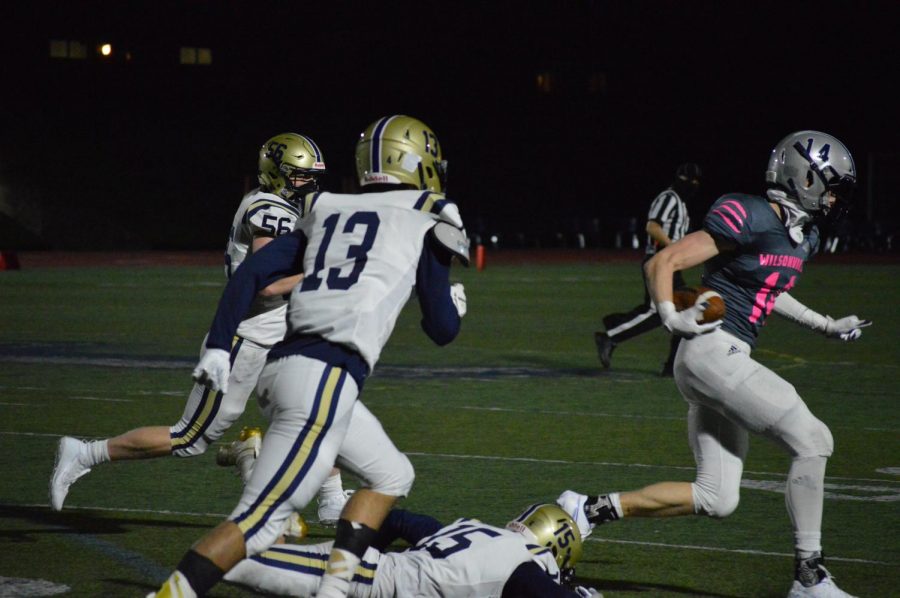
x=793 y=217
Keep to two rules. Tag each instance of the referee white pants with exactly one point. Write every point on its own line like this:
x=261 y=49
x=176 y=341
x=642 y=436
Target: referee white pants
x=316 y=420
x=729 y=395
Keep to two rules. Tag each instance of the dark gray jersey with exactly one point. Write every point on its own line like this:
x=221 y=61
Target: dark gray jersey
x=763 y=265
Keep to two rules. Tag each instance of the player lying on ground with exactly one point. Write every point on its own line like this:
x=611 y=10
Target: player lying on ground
x=532 y=557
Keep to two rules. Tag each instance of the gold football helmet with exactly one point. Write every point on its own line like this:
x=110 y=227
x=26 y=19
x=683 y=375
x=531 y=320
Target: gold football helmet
x=549 y=526
x=400 y=150
x=290 y=165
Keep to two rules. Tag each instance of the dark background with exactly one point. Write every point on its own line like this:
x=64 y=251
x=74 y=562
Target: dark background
x=137 y=151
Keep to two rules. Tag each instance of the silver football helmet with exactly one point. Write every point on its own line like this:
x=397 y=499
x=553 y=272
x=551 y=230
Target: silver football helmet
x=807 y=165
x=549 y=526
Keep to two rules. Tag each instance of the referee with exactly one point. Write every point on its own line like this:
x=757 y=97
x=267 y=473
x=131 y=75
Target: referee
x=667 y=222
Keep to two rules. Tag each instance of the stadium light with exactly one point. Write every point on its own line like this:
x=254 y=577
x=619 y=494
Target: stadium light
x=106 y=49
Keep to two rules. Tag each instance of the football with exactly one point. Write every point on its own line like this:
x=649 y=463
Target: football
x=690 y=296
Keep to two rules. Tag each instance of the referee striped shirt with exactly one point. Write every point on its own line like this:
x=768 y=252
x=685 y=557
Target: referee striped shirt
x=670 y=211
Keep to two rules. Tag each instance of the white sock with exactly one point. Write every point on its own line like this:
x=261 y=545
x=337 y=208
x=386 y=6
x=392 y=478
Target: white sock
x=245 y=463
x=332 y=486
x=804 y=495
x=338 y=574
x=616 y=504
x=97 y=452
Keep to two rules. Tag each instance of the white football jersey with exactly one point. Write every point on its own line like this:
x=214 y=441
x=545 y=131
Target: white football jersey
x=260 y=214
x=360 y=264
x=464 y=559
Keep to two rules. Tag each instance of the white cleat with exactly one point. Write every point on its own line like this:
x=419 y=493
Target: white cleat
x=242 y=453
x=330 y=507
x=573 y=504
x=247 y=445
x=824 y=589
x=68 y=468
x=295 y=527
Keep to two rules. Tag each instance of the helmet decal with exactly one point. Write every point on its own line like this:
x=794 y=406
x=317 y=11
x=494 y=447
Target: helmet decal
x=376 y=142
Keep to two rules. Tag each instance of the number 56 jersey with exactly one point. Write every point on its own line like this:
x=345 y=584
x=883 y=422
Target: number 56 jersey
x=360 y=262
x=260 y=214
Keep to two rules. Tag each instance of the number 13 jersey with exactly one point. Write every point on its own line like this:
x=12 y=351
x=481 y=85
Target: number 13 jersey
x=360 y=264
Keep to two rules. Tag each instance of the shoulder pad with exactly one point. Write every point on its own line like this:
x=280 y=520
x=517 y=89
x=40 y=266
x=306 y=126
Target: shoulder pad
x=307 y=203
x=453 y=239
x=440 y=207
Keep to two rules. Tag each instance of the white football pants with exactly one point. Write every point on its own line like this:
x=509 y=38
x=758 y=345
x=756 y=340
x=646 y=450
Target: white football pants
x=729 y=394
x=209 y=414
x=316 y=422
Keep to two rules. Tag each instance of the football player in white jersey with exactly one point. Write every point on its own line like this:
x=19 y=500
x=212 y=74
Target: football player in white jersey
x=360 y=256
x=754 y=249
x=290 y=165
x=532 y=557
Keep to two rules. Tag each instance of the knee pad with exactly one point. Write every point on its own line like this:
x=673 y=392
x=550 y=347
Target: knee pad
x=804 y=434
x=397 y=480
x=714 y=502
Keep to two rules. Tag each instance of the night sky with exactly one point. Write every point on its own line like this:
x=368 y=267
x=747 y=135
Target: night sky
x=147 y=153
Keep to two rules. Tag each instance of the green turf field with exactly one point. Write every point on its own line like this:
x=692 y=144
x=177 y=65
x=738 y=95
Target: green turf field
x=513 y=412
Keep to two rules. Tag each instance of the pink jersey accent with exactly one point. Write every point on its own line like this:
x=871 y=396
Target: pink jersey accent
x=738 y=205
x=728 y=220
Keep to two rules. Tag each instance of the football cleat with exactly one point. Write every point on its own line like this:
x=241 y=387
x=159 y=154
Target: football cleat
x=330 y=507
x=295 y=527
x=605 y=347
x=573 y=504
x=248 y=444
x=68 y=468
x=813 y=570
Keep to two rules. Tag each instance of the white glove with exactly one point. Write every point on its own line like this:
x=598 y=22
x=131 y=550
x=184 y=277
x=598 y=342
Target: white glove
x=847 y=329
x=458 y=296
x=584 y=592
x=214 y=369
x=685 y=323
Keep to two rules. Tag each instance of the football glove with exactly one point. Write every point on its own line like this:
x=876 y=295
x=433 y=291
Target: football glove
x=458 y=296
x=684 y=323
x=847 y=329
x=213 y=369
x=584 y=592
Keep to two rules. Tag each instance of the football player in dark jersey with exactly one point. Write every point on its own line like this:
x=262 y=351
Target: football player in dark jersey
x=753 y=250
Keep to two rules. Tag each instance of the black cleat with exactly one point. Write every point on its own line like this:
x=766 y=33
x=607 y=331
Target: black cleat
x=605 y=347
x=668 y=370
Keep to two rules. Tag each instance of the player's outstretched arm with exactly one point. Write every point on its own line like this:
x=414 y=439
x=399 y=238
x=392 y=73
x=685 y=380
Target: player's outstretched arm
x=405 y=525
x=847 y=329
x=282 y=257
x=440 y=316
x=530 y=581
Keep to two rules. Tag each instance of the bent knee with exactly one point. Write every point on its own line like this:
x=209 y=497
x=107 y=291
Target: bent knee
x=715 y=502
x=396 y=480
x=804 y=434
